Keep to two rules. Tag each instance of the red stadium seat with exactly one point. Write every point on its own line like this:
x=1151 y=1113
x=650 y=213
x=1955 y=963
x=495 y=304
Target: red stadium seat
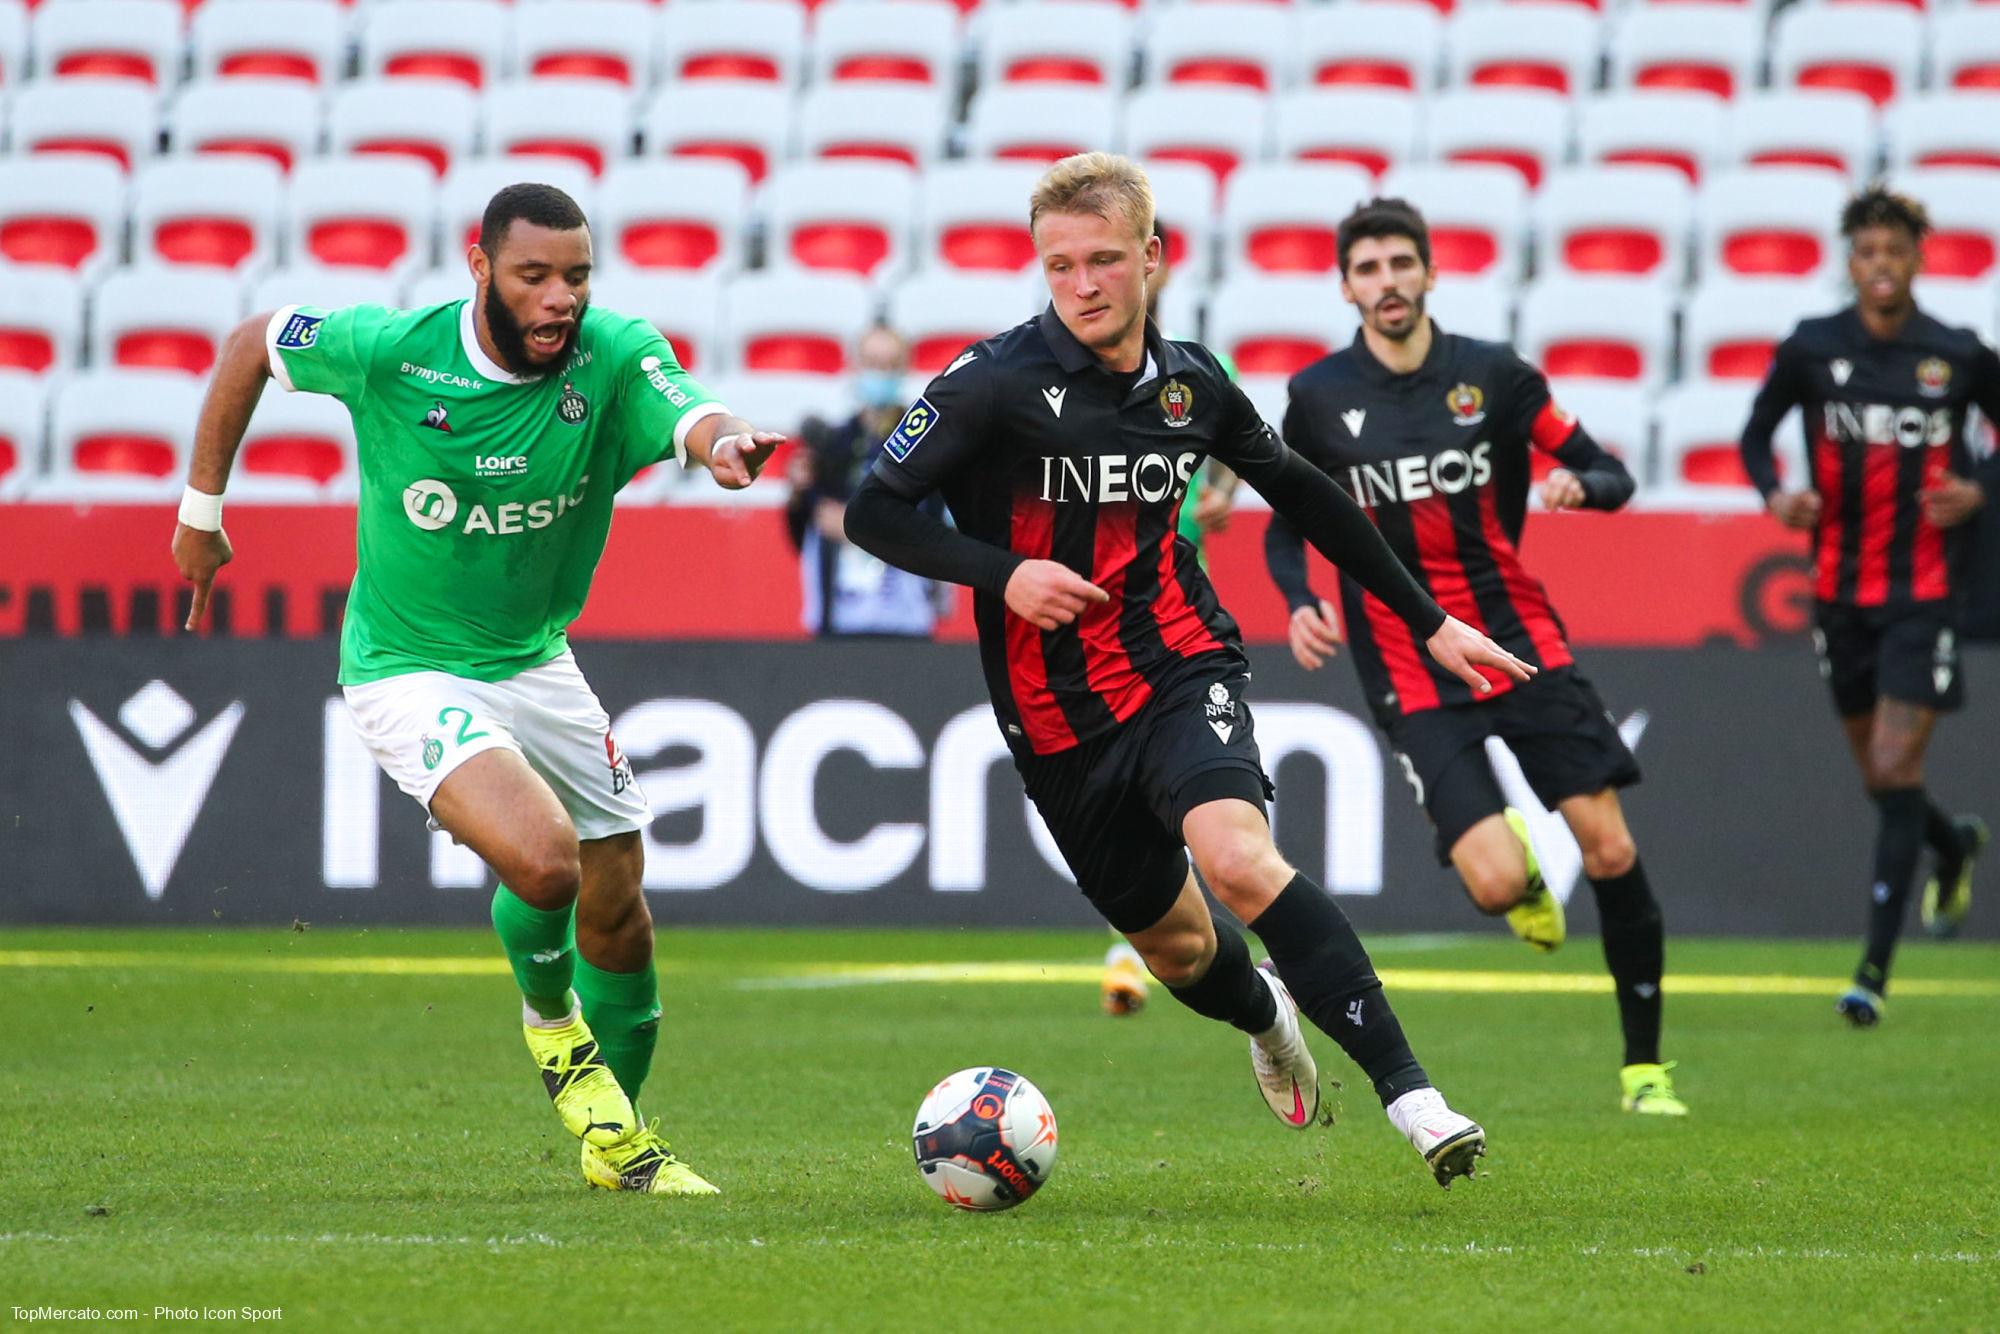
x=1281 y=217
x=432 y=121
x=1616 y=220
x=1478 y=216
x=969 y=217
x=61 y=210
x=1271 y=325
x=1055 y=41
x=41 y=318
x=460 y=41
x=216 y=211
x=909 y=42
x=162 y=317
x=1546 y=47
x=116 y=119
x=363 y=212
x=902 y=123
x=1213 y=127
x=605 y=40
x=1873 y=50
x=735 y=122
x=295 y=40
x=136 y=41
x=1371 y=44
x=1770 y=222
x=755 y=40
x=842 y=216
x=588 y=121
x=941 y=313
x=1040 y=122
x=1527 y=132
x=1598 y=328
x=1704 y=46
x=796 y=322
x=1233 y=45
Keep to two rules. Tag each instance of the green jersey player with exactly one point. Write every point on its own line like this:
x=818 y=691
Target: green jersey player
x=493 y=434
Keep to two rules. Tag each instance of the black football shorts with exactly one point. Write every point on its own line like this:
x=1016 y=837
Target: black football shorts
x=1907 y=653
x=1557 y=727
x=1115 y=802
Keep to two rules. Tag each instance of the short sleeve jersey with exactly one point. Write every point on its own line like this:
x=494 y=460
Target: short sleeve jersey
x=485 y=496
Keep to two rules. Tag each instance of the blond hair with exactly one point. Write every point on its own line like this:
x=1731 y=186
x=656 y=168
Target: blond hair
x=1103 y=184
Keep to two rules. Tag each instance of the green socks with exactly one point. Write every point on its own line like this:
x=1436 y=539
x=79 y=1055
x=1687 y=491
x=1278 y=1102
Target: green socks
x=541 y=947
x=623 y=1011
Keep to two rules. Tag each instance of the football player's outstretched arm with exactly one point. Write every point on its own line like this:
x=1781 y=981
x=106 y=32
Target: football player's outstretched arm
x=200 y=547
x=731 y=449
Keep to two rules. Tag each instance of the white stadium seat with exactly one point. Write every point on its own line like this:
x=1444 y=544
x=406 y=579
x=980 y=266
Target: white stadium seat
x=1769 y=222
x=1961 y=304
x=797 y=323
x=685 y=306
x=305 y=440
x=1872 y=51
x=1371 y=44
x=63 y=209
x=845 y=217
x=310 y=284
x=887 y=41
x=116 y=119
x=1278 y=325
x=1965 y=48
x=219 y=211
x=1682 y=131
x=755 y=40
x=586 y=120
x=1598 y=328
x=13 y=42
x=1475 y=308
x=1806 y=128
x=1698 y=46
x=1214 y=126
x=1035 y=122
x=23 y=431
x=904 y=123
x=1055 y=42
x=739 y=121
x=1281 y=217
x=1629 y=220
x=1371 y=128
x=1731 y=326
x=1618 y=417
x=445 y=283
x=162 y=318
x=1946 y=130
x=41 y=319
x=1964 y=208
x=1698 y=425
x=276 y=119
x=121 y=436
x=1526 y=131
x=1231 y=45
x=973 y=216
x=610 y=40
x=1477 y=215
x=472 y=183
x=364 y=212
x=1184 y=208
x=134 y=40
x=673 y=213
x=429 y=120
x=299 y=40
x=1551 y=47
x=939 y=312
x=460 y=40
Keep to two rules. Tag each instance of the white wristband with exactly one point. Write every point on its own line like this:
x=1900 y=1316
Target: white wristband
x=201 y=510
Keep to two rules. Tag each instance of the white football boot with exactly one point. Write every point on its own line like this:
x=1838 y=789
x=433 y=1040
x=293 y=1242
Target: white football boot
x=1448 y=1142
x=1286 y=1074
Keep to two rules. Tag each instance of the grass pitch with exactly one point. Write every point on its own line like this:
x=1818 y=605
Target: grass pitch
x=344 y=1125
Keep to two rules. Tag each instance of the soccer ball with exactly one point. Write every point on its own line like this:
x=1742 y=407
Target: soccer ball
x=985 y=1139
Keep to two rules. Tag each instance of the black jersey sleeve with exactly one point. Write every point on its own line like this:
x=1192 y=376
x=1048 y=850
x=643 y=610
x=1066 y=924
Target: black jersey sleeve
x=1284 y=549
x=1986 y=393
x=942 y=431
x=1533 y=417
x=1783 y=389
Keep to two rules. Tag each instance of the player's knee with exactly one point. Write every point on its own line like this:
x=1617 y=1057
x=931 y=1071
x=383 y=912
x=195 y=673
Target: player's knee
x=1244 y=871
x=1608 y=855
x=548 y=877
x=1495 y=888
x=1180 y=959
x=1893 y=765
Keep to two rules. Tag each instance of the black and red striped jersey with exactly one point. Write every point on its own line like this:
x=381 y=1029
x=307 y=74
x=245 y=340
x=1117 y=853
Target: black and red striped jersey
x=1884 y=420
x=1040 y=451
x=1439 y=459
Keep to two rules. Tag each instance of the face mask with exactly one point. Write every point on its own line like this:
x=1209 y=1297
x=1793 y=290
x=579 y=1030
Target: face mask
x=879 y=389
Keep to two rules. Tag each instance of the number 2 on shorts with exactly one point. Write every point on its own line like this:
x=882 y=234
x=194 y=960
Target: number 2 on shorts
x=465 y=732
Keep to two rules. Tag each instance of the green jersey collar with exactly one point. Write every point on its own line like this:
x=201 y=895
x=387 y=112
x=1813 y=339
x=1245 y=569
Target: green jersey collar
x=485 y=365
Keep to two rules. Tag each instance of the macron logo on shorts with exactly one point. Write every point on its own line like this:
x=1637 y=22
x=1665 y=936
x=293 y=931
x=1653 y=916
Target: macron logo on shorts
x=300 y=331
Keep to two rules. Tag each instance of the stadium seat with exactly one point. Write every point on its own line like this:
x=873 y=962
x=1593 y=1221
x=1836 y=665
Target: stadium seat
x=472 y=183
x=461 y=40
x=1551 y=47
x=686 y=213
x=1212 y=126
x=1964 y=206
x=117 y=435
x=1806 y=128
x=774 y=401
x=939 y=312
x=586 y=120
x=300 y=40
x=1278 y=325
x=685 y=306
x=362 y=212
x=973 y=216
x=1678 y=130
x=1477 y=214
x=13 y=42
x=449 y=281
x=1870 y=50
x=135 y=40
x=1038 y=122
x=430 y=120
x=1695 y=46
x=903 y=123
x=1618 y=417
x=1184 y=208
x=758 y=40
x=302 y=439
x=1281 y=217
x=162 y=318
x=41 y=318
x=1233 y=45
x=64 y=209
x=1598 y=328
x=217 y=211
x=611 y=40
x=1945 y=130
x=117 y=119
x=1516 y=128
x=1618 y=220
x=846 y=217
x=309 y=284
x=23 y=429
x=1371 y=44
x=1371 y=128
x=1477 y=308
x=1769 y=222
x=1055 y=41
x=1965 y=48
x=278 y=119
x=1698 y=424
x=887 y=41
x=793 y=322
x=740 y=122
x=1962 y=304
x=1731 y=326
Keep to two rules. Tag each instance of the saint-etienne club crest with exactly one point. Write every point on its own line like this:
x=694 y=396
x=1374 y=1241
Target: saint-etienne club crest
x=1467 y=403
x=572 y=407
x=1176 y=404
x=1933 y=377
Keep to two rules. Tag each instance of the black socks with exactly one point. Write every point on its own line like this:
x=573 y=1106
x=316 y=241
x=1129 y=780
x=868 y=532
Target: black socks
x=1231 y=990
x=1635 y=954
x=1328 y=972
x=1899 y=842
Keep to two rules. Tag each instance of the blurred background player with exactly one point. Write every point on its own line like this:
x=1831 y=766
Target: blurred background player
x=493 y=435
x=1432 y=433
x=1884 y=391
x=844 y=590
x=1064 y=446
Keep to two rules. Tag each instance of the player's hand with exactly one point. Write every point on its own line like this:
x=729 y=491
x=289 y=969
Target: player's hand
x=1794 y=509
x=1562 y=490
x=198 y=554
x=1211 y=508
x=1459 y=649
x=1953 y=500
x=1315 y=635
x=1049 y=595
x=735 y=460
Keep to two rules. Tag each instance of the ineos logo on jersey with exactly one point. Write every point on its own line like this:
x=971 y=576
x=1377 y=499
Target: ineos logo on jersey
x=430 y=504
x=1111 y=478
x=1880 y=424
x=1419 y=476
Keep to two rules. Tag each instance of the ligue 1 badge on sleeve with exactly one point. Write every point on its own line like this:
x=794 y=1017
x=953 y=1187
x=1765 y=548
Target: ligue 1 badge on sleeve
x=1176 y=404
x=572 y=407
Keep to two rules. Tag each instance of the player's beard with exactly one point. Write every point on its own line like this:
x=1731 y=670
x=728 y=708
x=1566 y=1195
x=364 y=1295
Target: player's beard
x=510 y=337
x=1416 y=321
